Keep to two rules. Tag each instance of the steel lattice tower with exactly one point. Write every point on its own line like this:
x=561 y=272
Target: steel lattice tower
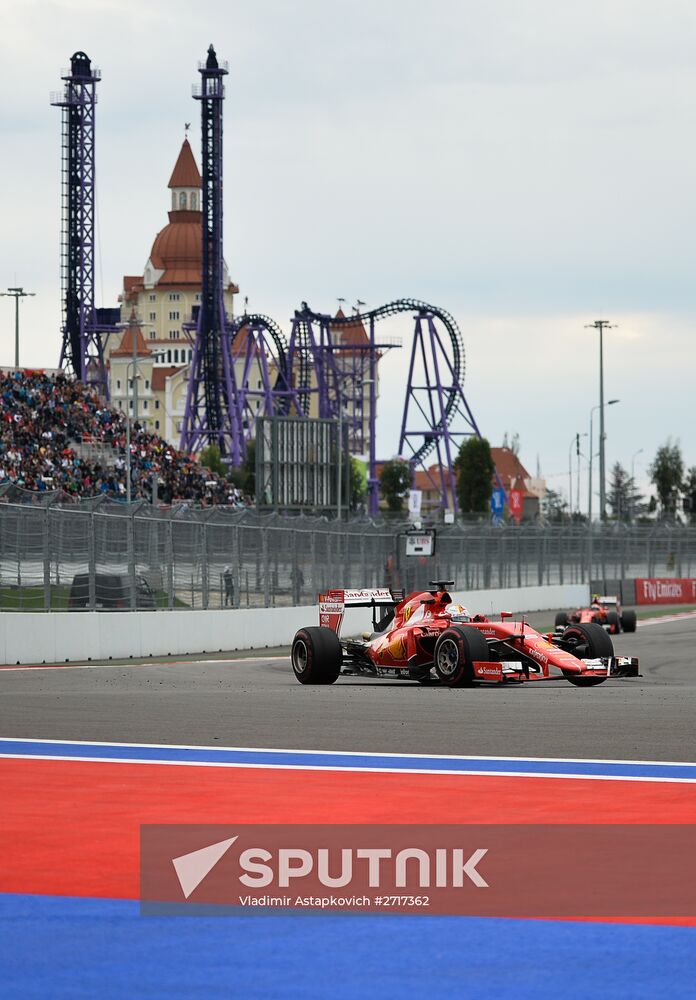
x=82 y=350
x=211 y=415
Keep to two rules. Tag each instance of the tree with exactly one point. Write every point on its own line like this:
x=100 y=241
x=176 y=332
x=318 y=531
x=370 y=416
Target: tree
x=210 y=457
x=395 y=482
x=667 y=475
x=690 y=494
x=624 y=500
x=244 y=476
x=358 y=483
x=475 y=470
x=554 y=507
x=249 y=467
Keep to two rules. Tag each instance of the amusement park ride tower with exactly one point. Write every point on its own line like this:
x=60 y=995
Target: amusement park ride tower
x=82 y=350
x=212 y=414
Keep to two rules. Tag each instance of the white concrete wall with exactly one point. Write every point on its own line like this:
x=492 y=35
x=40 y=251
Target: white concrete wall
x=487 y=602
x=59 y=637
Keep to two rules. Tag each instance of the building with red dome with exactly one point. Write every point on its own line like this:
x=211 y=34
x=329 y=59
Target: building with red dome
x=162 y=299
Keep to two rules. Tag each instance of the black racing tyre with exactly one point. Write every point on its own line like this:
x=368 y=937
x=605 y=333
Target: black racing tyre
x=316 y=655
x=590 y=640
x=561 y=619
x=455 y=652
x=613 y=622
x=628 y=621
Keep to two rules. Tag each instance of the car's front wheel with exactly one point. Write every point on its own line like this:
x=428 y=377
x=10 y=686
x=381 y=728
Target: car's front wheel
x=613 y=622
x=587 y=640
x=316 y=655
x=456 y=650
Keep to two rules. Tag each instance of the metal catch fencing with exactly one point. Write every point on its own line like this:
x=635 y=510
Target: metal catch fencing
x=91 y=556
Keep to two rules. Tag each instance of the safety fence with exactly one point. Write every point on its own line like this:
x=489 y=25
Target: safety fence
x=87 y=557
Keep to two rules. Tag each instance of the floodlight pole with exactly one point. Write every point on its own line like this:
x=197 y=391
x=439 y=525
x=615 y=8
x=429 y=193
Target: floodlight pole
x=134 y=362
x=133 y=365
x=600 y=407
x=128 y=453
x=339 y=512
x=17 y=294
x=601 y=325
x=577 y=485
x=575 y=443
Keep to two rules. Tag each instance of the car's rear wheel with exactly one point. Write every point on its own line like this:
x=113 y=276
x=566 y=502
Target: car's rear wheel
x=587 y=640
x=316 y=655
x=456 y=650
x=613 y=622
x=629 y=621
x=561 y=619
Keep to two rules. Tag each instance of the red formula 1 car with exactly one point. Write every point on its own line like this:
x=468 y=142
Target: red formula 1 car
x=426 y=632
x=604 y=611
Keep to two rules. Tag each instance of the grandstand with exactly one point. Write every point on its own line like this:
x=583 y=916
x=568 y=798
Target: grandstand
x=57 y=435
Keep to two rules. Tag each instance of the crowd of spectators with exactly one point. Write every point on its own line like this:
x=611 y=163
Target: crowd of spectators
x=46 y=419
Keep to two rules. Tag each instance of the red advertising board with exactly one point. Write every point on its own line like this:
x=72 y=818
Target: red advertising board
x=515 y=503
x=665 y=591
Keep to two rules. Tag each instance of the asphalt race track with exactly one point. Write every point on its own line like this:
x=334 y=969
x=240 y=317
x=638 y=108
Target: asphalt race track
x=256 y=702
x=70 y=861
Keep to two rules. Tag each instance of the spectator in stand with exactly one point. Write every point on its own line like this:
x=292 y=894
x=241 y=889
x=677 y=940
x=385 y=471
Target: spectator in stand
x=43 y=416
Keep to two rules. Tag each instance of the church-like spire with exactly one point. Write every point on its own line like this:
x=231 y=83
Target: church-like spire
x=186 y=173
x=132 y=341
x=185 y=182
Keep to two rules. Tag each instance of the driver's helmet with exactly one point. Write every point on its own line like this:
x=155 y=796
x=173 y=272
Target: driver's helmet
x=457 y=613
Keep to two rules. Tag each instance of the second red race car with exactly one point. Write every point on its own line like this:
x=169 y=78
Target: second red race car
x=604 y=611
x=428 y=638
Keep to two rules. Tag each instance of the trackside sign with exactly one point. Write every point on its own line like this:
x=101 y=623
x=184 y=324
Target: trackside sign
x=665 y=591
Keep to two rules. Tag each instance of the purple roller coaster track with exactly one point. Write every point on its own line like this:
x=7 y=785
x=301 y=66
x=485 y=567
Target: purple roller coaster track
x=318 y=370
x=328 y=374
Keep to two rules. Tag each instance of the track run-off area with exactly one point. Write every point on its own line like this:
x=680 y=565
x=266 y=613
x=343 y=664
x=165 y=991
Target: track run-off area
x=90 y=752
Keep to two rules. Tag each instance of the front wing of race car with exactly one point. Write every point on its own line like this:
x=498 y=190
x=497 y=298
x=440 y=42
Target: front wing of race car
x=613 y=666
x=512 y=670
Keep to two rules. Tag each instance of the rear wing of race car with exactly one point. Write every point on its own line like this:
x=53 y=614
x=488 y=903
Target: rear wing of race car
x=333 y=604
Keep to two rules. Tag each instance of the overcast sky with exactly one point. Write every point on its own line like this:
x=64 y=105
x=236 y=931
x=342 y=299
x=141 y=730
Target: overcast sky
x=527 y=166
